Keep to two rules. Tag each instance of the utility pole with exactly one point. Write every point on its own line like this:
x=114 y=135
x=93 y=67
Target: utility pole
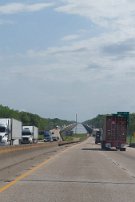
x=76 y=124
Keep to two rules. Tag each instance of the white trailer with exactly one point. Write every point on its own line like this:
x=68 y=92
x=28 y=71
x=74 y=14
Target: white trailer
x=10 y=131
x=29 y=134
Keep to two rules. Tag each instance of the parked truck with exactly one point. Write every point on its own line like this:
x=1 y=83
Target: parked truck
x=29 y=134
x=10 y=131
x=56 y=136
x=115 y=131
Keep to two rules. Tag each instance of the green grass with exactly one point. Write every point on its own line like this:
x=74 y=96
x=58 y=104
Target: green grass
x=40 y=137
x=74 y=137
x=130 y=139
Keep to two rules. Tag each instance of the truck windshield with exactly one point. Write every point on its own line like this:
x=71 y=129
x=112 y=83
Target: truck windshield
x=2 y=129
x=46 y=135
x=26 y=133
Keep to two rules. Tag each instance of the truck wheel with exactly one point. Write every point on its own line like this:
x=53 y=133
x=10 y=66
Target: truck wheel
x=103 y=146
x=122 y=149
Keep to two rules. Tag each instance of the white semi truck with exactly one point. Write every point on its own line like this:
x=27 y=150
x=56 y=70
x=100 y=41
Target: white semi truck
x=10 y=131
x=29 y=134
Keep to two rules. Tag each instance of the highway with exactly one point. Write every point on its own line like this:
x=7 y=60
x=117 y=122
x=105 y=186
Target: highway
x=79 y=173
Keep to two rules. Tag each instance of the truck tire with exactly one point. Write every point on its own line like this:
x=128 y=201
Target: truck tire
x=103 y=146
x=122 y=149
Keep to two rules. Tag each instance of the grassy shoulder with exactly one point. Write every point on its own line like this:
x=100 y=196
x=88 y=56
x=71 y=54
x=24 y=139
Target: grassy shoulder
x=40 y=137
x=130 y=139
x=75 y=137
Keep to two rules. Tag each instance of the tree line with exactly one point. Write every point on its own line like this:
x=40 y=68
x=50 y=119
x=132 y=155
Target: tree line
x=31 y=119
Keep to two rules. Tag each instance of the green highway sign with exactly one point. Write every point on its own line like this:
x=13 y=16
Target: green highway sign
x=123 y=113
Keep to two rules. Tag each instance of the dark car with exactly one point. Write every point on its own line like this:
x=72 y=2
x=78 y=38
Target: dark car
x=48 y=136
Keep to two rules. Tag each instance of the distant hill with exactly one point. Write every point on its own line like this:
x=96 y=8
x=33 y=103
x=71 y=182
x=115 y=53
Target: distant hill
x=31 y=119
x=96 y=122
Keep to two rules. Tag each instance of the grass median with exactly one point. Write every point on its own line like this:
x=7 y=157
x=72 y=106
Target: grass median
x=75 y=137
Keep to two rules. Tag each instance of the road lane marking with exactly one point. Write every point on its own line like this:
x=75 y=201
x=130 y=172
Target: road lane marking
x=32 y=170
x=22 y=176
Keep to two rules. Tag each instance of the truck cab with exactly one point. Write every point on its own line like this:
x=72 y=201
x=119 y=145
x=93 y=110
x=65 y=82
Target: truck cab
x=55 y=137
x=3 y=134
x=26 y=136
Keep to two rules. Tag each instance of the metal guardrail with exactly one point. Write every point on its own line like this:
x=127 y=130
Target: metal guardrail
x=67 y=142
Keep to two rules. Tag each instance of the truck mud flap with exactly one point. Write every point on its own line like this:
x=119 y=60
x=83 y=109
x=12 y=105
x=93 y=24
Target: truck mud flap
x=103 y=146
x=122 y=149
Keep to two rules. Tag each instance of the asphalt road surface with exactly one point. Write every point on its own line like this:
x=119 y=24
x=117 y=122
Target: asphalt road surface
x=78 y=173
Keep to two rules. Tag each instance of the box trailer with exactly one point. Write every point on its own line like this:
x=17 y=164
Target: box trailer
x=115 y=131
x=29 y=134
x=10 y=131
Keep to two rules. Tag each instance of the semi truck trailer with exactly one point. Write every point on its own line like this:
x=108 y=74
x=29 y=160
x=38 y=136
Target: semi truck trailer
x=10 y=131
x=29 y=134
x=115 y=131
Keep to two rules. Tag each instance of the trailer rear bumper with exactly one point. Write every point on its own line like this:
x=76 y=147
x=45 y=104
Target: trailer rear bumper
x=117 y=145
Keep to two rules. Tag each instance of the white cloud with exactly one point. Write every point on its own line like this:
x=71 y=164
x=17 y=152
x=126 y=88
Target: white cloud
x=13 y=8
x=106 y=13
x=116 y=18
x=70 y=37
x=82 y=67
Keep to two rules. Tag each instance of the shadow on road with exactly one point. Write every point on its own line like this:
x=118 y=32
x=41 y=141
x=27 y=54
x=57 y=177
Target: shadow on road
x=97 y=149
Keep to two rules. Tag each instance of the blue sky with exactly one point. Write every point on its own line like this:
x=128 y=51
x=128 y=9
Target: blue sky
x=59 y=58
